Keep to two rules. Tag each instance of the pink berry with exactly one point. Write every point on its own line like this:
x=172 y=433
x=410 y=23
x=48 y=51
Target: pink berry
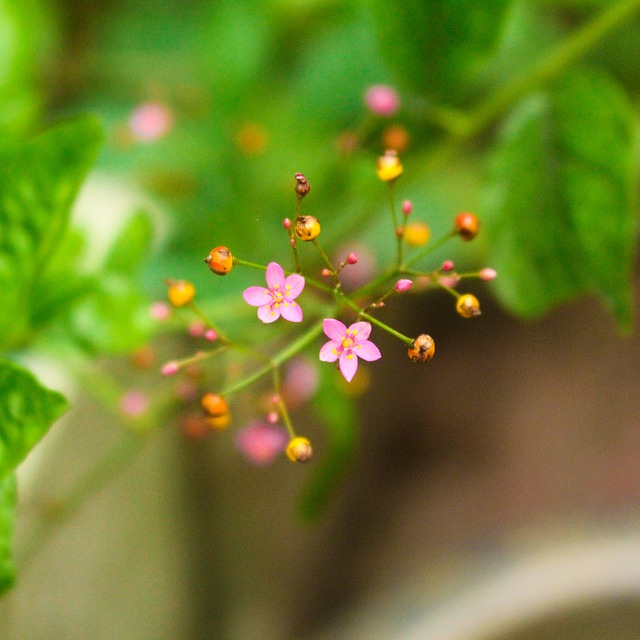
x=382 y=100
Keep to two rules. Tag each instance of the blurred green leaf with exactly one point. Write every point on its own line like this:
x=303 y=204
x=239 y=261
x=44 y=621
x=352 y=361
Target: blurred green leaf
x=339 y=416
x=436 y=47
x=7 y=510
x=38 y=183
x=561 y=203
x=27 y=410
x=132 y=245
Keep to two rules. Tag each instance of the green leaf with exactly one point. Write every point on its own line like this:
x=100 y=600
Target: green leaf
x=560 y=205
x=7 y=510
x=131 y=246
x=38 y=183
x=27 y=410
x=339 y=416
x=436 y=47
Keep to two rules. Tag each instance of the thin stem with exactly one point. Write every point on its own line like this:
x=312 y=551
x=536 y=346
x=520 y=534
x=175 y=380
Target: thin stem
x=282 y=407
x=425 y=251
x=203 y=316
x=328 y=262
x=362 y=314
x=394 y=218
x=276 y=360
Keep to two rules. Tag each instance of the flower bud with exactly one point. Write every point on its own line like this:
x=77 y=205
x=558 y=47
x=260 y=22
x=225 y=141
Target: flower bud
x=407 y=207
x=307 y=228
x=468 y=306
x=352 y=258
x=299 y=450
x=325 y=272
x=180 y=292
x=487 y=274
x=422 y=348
x=220 y=260
x=447 y=265
x=286 y=223
x=389 y=166
x=404 y=284
x=170 y=368
x=466 y=225
x=302 y=185
x=218 y=423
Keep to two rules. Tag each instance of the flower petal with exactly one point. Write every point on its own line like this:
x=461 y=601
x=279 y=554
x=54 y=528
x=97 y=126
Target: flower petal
x=334 y=329
x=256 y=296
x=268 y=313
x=367 y=351
x=275 y=276
x=348 y=364
x=361 y=329
x=329 y=351
x=296 y=284
x=291 y=311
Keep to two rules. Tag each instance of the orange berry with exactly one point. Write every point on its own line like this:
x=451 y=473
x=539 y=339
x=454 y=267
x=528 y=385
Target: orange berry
x=220 y=260
x=422 y=348
x=214 y=404
x=466 y=225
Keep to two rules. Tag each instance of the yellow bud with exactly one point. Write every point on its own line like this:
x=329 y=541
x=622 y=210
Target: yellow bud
x=218 y=423
x=417 y=234
x=468 y=306
x=299 y=450
x=389 y=166
x=307 y=228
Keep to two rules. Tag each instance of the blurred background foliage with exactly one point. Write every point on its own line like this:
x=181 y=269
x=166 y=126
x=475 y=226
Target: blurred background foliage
x=521 y=110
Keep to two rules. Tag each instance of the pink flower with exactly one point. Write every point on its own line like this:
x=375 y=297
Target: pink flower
x=382 y=100
x=134 y=403
x=261 y=443
x=278 y=298
x=347 y=345
x=150 y=121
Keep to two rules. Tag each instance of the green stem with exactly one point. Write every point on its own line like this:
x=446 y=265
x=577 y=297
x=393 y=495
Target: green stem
x=282 y=407
x=278 y=359
x=382 y=325
x=327 y=261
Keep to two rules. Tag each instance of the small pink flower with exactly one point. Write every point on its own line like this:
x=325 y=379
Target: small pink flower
x=487 y=274
x=347 y=345
x=160 y=311
x=150 y=121
x=278 y=299
x=382 y=100
x=134 y=403
x=404 y=284
x=261 y=443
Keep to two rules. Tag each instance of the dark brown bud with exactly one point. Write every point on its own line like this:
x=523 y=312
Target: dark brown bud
x=302 y=185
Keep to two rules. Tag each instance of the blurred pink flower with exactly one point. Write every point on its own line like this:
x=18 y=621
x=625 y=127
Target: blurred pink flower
x=150 y=121
x=260 y=443
x=382 y=100
x=134 y=403
x=300 y=382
